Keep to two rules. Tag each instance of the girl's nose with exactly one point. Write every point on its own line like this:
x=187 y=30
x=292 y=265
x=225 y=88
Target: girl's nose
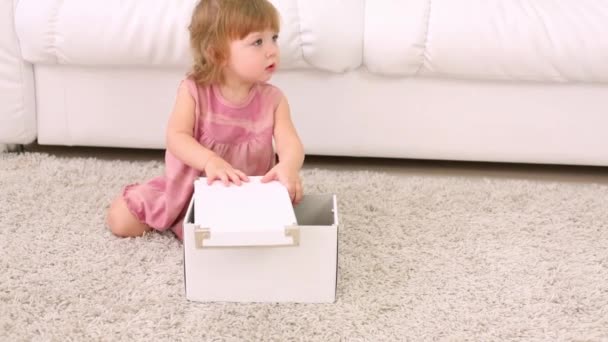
x=272 y=51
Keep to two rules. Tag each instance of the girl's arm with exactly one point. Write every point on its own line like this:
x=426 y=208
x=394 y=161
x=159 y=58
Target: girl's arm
x=288 y=144
x=180 y=132
x=290 y=151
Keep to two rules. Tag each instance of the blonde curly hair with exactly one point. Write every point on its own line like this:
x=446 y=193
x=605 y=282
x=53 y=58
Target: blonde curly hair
x=217 y=22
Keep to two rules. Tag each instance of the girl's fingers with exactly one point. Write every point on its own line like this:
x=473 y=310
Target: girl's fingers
x=224 y=178
x=242 y=175
x=292 y=192
x=270 y=175
x=211 y=178
x=227 y=176
x=234 y=177
x=299 y=192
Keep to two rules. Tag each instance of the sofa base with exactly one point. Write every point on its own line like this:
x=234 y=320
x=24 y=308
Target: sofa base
x=15 y=148
x=352 y=114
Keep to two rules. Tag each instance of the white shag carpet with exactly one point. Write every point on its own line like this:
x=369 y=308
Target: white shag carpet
x=421 y=258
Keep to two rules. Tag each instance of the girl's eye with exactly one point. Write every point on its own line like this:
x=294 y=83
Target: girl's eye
x=258 y=42
x=275 y=37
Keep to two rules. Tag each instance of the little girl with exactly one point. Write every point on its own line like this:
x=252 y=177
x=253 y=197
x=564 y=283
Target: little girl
x=224 y=119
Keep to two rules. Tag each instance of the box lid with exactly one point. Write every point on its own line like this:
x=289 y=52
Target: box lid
x=253 y=214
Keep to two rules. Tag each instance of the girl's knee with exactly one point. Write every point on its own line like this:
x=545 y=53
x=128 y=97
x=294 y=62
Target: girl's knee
x=121 y=222
x=115 y=218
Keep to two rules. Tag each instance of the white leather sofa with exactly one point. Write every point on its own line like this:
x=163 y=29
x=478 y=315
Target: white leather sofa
x=507 y=81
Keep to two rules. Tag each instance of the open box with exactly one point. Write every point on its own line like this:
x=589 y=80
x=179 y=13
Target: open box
x=305 y=271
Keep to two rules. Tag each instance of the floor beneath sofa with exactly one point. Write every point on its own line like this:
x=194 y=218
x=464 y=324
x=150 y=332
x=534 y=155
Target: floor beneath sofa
x=562 y=173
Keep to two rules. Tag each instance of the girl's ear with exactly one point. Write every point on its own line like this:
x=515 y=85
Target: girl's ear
x=215 y=56
x=210 y=54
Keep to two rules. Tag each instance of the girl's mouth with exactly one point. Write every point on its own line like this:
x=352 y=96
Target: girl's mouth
x=271 y=67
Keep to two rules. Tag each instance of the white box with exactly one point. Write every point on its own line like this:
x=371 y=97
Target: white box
x=304 y=272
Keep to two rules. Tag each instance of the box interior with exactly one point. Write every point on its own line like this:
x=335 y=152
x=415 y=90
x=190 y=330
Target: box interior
x=313 y=210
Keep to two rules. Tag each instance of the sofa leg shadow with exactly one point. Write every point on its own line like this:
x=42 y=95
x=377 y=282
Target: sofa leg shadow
x=13 y=148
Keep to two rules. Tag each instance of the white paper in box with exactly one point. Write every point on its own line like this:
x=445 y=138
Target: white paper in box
x=265 y=249
x=252 y=214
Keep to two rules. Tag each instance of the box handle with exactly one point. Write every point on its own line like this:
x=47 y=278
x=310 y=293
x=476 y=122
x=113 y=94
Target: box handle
x=202 y=234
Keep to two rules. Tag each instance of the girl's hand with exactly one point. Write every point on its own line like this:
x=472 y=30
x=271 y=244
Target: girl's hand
x=218 y=168
x=289 y=177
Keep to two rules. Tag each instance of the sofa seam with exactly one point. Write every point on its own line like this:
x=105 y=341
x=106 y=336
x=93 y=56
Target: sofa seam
x=66 y=121
x=299 y=20
x=54 y=21
x=426 y=37
x=363 y=31
x=547 y=32
x=22 y=79
x=55 y=49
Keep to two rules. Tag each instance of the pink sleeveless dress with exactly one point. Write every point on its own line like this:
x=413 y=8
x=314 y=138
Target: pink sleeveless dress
x=240 y=134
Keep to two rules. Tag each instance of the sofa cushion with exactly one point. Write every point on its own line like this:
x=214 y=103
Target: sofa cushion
x=393 y=45
x=472 y=39
x=154 y=33
x=526 y=40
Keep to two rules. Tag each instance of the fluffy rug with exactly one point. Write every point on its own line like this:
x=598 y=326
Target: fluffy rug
x=421 y=258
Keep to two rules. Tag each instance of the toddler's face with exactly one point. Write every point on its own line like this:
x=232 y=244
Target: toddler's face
x=255 y=57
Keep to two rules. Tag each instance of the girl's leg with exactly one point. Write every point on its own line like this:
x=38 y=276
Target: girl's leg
x=121 y=222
